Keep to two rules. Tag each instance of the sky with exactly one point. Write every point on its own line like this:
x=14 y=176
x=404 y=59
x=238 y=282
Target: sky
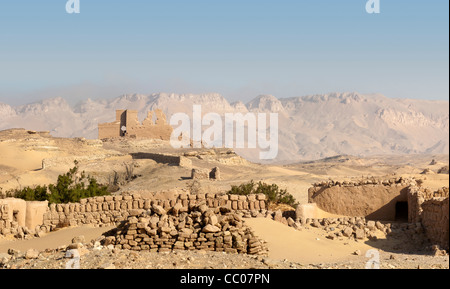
x=238 y=48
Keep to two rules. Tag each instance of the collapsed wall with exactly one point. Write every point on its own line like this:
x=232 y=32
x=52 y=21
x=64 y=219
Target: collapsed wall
x=431 y=208
x=372 y=199
x=435 y=221
x=196 y=228
x=417 y=197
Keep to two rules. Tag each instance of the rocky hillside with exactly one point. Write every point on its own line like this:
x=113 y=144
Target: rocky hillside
x=310 y=127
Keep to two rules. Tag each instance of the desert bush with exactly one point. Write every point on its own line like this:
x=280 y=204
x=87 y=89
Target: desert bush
x=129 y=172
x=70 y=188
x=273 y=193
x=119 y=178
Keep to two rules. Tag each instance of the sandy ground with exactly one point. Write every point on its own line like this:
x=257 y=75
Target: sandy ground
x=307 y=246
x=12 y=156
x=53 y=240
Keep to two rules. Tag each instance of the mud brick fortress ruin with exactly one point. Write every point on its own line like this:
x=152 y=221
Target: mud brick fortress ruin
x=128 y=125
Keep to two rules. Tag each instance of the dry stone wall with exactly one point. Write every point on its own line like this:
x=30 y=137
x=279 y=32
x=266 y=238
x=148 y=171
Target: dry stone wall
x=196 y=228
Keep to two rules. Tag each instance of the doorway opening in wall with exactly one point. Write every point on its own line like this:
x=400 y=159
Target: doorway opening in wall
x=401 y=212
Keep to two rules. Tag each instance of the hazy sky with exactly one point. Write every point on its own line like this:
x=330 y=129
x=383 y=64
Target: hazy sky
x=239 y=48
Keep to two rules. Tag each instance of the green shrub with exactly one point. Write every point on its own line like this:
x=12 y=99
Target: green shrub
x=70 y=188
x=273 y=193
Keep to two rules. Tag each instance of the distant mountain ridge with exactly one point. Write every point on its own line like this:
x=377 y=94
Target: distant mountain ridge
x=310 y=127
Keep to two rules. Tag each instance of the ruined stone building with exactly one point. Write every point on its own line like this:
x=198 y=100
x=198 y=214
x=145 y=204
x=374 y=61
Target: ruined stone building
x=128 y=125
x=397 y=199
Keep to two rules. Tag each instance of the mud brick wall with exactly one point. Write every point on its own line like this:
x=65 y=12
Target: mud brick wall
x=199 y=228
x=110 y=210
x=435 y=219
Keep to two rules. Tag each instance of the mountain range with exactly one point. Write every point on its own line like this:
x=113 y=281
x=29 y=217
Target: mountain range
x=310 y=127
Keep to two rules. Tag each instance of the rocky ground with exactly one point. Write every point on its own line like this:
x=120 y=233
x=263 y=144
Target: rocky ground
x=95 y=256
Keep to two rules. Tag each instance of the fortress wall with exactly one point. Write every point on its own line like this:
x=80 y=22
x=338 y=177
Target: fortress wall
x=129 y=119
x=108 y=130
x=162 y=132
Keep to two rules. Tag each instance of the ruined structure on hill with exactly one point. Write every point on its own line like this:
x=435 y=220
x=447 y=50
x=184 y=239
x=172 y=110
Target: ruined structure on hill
x=128 y=125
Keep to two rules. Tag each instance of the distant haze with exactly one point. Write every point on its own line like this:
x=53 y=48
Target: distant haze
x=310 y=127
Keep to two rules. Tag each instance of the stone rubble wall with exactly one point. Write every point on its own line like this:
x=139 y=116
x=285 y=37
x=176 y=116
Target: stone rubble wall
x=364 y=182
x=431 y=208
x=196 y=228
x=435 y=219
x=417 y=196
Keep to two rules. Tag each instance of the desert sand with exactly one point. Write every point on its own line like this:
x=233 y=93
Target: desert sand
x=53 y=240
x=306 y=246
